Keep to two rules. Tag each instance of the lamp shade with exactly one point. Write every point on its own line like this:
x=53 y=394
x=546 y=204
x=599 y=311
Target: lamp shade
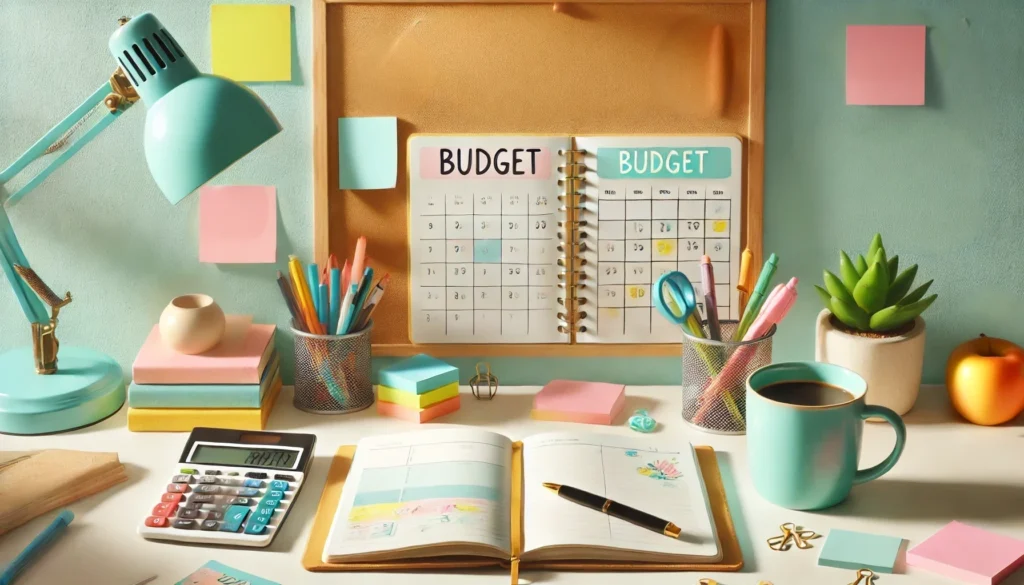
x=197 y=125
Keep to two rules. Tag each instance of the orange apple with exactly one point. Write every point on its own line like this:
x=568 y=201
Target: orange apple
x=985 y=379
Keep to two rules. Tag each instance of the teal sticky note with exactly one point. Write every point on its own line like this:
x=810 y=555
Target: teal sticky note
x=418 y=374
x=367 y=152
x=845 y=549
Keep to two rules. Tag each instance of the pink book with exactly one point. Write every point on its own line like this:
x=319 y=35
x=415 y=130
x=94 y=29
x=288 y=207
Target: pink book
x=968 y=554
x=583 y=402
x=239 y=358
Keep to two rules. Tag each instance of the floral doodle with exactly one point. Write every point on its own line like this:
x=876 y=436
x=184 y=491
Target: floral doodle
x=663 y=469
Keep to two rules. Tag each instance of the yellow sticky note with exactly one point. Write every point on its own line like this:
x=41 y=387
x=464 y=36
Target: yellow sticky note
x=252 y=42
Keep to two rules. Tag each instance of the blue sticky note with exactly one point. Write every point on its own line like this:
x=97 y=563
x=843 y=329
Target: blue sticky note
x=368 y=152
x=419 y=374
x=845 y=549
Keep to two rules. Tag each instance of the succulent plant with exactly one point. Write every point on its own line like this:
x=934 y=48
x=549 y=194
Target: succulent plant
x=870 y=294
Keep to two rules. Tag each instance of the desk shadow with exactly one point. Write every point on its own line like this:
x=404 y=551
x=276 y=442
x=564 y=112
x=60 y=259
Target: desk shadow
x=727 y=470
x=922 y=500
x=303 y=511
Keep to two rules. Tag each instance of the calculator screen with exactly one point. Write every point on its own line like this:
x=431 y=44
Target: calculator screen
x=221 y=455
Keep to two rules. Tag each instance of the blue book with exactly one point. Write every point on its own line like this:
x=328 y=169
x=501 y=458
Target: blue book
x=214 y=573
x=205 y=395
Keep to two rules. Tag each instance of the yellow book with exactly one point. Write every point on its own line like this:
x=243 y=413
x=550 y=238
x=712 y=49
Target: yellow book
x=411 y=400
x=185 y=419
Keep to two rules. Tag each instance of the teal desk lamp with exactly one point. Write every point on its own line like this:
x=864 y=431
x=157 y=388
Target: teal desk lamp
x=196 y=126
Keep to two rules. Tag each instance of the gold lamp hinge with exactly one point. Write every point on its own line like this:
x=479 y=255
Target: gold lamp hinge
x=44 y=335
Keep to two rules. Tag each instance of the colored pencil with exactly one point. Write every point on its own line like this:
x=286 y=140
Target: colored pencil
x=358 y=261
x=313 y=279
x=286 y=291
x=323 y=307
x=303 y=295
x=335 y=309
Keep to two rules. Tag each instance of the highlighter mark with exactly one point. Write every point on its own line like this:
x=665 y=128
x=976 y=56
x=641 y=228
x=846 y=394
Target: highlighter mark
x=720 y=226
x=665 y=247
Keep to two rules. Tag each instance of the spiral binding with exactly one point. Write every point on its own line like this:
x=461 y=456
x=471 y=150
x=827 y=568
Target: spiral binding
x=572 y=278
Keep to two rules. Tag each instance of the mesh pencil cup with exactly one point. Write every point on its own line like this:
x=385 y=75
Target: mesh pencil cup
x=332 y=372
x=715 y=377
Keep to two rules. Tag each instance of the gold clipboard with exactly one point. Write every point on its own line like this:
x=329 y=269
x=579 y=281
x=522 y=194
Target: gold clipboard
x=732 y=556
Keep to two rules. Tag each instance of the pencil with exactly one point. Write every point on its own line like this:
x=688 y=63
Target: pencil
x=303 y=296
x=293 y=309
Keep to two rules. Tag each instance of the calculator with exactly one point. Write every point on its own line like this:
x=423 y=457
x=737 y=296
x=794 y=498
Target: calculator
x=230 y=487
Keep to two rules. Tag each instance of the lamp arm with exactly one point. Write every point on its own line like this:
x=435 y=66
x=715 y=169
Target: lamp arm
x=64 y=141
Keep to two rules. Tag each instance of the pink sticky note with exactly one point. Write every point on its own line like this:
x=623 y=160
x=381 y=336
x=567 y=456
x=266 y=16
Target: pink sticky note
x=885 y=65
x=238 y=224
x=968 y=554
x=585 y=402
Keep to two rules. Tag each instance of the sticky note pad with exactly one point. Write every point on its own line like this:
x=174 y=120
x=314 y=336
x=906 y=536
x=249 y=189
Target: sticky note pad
x=885 y=65
x=410 y=400
x=584 y=402
x=968 y=554
x=367 y=152
x=252 y=42
x=238 y=224
x=419 y=374
x=845 y=549
x=418 y=415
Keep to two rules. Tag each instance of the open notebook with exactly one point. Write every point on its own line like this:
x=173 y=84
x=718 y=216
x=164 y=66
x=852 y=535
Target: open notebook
x=450 y=492
x=558 y=239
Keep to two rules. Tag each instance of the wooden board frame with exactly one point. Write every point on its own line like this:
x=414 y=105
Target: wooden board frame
x=327 y=240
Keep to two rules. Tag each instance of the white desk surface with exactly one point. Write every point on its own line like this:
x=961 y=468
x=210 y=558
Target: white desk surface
x=949 y=470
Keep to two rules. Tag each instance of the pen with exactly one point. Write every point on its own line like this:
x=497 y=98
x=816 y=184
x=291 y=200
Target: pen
x=363 y=319
x=707 y=282
x=775 y=310
x=37 y=546
x=357 y=302
x=346 y=306
x=335 y=310
x=615 y=509
x=286 y=292
x=756 y=297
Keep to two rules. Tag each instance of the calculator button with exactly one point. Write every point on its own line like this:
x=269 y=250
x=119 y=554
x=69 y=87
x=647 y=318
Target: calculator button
x=207 y=489
x=264 y=510
x=181 y=479
x=200 y=499
x=247 y=492
x=177 y=488
x=209 y=525
x=252 y=483
x=165 y=509
x=284 y=477
x=278 y=485
x=207 y=479
x=215 y=515
x=256 y=475
x=270 y=503
x=213 y=472
x=275 y=494
x=157 y=522
x=189 y=470
x=188 y=513
x=255 y=527
x=232 y=473
x=172 y=498
x=240 y=502
x=183 y=523
x=234 y=517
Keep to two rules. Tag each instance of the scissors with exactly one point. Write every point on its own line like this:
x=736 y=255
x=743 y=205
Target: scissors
x=790 y=532
x=680 y=306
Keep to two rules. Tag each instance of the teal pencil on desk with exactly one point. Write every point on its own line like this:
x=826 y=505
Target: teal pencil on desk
x=37 y=546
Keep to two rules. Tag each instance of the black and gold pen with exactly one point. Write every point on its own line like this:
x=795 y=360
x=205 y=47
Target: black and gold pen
x=615 y=509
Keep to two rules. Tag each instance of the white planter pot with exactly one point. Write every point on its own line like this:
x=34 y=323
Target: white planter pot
x=890 y=365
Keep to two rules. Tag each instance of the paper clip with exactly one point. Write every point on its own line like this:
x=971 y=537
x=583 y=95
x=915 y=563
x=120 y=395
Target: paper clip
x=791 y=532
x=867 y=575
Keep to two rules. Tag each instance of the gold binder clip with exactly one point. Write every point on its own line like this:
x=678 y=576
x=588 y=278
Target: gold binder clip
x=867 y=575
x=477 y=381
x=792 y=532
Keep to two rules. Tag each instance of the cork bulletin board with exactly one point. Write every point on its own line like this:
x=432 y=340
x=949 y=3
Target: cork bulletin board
x=512 y=67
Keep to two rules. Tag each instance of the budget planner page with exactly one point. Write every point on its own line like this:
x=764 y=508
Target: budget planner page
x=655 y=205
x=484 y=224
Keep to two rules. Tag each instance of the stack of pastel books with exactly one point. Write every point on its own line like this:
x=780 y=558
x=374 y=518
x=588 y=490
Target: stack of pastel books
x=232 y=386
x=418 y=389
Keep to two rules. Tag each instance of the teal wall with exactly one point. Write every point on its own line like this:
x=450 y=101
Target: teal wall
x=942 y=182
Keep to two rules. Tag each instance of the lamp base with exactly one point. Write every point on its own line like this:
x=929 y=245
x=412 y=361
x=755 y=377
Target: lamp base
x=87 y=388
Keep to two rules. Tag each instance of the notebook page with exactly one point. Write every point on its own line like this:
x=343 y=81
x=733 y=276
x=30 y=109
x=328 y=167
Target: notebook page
x=483 y=238
x=424 y=488
x=656 y=204
x=660 y=478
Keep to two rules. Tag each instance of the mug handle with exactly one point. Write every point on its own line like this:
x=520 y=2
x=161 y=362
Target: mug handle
x=890 y=416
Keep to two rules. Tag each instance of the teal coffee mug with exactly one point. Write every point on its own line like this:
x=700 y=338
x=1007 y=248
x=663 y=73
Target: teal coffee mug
x=804 y=427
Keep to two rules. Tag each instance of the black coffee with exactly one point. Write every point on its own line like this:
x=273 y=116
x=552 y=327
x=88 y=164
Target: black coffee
x=805 y=393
